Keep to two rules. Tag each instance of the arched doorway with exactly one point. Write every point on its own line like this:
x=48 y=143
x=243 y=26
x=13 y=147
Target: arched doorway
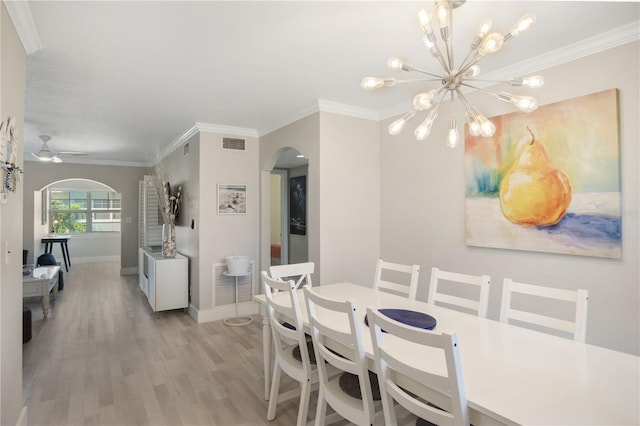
x=87 y=210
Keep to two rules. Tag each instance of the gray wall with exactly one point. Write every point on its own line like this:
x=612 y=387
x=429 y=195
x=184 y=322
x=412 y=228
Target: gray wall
x=12 y=79
x=422 y=212
x=121 y=178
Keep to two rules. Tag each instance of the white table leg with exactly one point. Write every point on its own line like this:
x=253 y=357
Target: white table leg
x=45 y=301
x=266 y=352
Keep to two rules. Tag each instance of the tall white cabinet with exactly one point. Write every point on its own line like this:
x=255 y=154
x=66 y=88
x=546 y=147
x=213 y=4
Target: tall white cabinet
x=164 y=280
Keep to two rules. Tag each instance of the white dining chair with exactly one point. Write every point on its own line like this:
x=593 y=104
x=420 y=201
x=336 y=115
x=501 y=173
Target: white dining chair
x=288 y=342
x=337 y=340
x=576 y=327
x=472 y=291
x=385 y=271
x=300 y=272
x=418 y=369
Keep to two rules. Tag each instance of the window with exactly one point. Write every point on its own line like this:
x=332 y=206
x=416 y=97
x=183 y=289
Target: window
x=74 y=212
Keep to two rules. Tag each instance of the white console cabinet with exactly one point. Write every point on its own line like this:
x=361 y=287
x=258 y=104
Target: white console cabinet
x=164 y=280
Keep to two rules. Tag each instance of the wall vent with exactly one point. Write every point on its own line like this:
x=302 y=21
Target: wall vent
x=233 y=143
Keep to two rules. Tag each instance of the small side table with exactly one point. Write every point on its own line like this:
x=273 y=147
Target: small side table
x=237 y=320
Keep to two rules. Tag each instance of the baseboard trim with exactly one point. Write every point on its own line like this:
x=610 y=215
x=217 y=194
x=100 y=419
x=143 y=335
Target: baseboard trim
x=129 y=271
x=222 y=312
x=23 y=417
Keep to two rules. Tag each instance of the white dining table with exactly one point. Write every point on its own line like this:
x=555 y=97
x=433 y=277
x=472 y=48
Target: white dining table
x=512 y=375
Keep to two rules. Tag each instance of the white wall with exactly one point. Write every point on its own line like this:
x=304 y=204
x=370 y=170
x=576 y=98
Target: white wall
x=422 y=213
x=349 y=198
x=12 y=84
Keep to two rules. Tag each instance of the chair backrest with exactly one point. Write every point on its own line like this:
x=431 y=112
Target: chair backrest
x=433 y=388
x=300 y=272
x=408 y=290
x=286 y=310
x=337 y=340
x=477 y=303
x=576 y=327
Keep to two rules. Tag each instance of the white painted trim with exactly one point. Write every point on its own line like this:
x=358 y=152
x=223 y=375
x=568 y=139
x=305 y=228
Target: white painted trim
x=68 y=160
x=23 y=417
x=178 y=142
x=222 y=312
x=227 y=130
x=348 y=110
x=129 y=271
x=20 y=15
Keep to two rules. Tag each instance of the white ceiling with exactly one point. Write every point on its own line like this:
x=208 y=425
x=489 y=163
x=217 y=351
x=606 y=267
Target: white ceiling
x=123 y=80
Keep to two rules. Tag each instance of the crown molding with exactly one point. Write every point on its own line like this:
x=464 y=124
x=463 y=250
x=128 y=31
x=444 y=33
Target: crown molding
x=348 y=110
x=20 y=15
x=227 y=130
x=206 y=128
x=96 y=162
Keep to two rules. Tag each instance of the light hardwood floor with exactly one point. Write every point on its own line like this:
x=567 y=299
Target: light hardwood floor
x=104 y=358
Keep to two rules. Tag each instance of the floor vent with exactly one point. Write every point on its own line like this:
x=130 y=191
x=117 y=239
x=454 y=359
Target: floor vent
x=233 y=143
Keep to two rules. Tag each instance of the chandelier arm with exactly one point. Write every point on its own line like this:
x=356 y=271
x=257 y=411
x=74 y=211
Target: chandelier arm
x=465 y=102
x=439 y=77
x=471 y=86
x=465 y=67
x=466 y=58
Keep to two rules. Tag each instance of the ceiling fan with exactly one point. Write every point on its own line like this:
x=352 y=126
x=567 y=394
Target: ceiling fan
x=45 y=153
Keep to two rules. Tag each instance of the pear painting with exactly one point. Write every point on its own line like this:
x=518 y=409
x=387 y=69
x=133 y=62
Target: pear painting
x=549 y=180
x=533 y=192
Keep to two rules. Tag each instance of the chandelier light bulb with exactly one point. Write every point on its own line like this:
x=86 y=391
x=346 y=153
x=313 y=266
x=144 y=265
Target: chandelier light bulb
x=397 y=64
x=474 y=126
x=523 y=103
x=425 y=21
x=372 y=83
x=491 y=43
x=484 y=29
x=443 y=11
x=452 y=136
x=487 y=128
x=423 y=130
x=523 y=24
x=533 y=81
x=424 y=101
x=397 y=126
x=474 y=71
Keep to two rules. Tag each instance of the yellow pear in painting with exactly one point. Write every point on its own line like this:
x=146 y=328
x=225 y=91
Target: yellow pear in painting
x=533 y=192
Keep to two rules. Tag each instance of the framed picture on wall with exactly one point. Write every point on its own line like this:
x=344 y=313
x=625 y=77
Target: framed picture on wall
x=298 y=205
x=232 y=199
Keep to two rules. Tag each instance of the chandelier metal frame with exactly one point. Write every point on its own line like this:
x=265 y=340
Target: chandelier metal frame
x=454 y=78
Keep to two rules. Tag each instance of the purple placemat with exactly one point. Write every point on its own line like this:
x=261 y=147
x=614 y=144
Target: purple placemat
x=412 y=318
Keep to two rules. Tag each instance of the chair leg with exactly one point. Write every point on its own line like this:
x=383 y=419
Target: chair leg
x=321 y=411
x=303 y=410
x=273 y=397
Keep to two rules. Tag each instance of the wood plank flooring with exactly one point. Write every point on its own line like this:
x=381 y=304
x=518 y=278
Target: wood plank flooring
x=102 y=357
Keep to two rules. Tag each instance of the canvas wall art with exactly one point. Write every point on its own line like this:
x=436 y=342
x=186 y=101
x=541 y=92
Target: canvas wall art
x=298 y=205
x=232 y=199
x=548 y=181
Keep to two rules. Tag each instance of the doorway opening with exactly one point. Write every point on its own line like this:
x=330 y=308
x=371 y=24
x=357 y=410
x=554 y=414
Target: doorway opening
x=288 y=237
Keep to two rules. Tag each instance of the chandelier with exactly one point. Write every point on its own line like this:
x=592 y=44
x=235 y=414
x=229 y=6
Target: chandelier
x=454 y=77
